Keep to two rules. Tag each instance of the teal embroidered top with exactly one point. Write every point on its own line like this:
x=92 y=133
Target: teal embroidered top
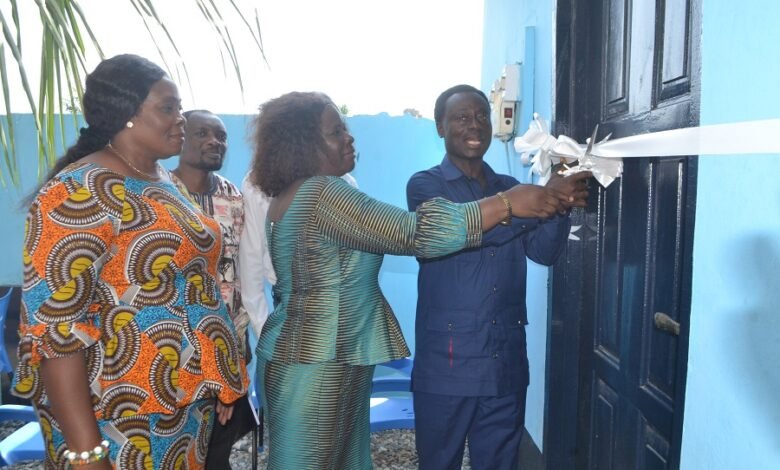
x=327 y=250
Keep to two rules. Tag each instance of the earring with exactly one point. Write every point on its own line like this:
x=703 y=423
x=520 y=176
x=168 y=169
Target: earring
x=129 y=124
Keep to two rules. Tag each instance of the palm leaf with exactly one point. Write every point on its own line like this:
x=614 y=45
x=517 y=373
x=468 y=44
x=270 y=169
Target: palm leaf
x=66 y=39
x=8 y=142
x=215 y=19
x=17 y=54
x=46 y=105
x=149 y=11
x=255 y=34
x=73 y=6
x=63 y=52
x=58 y=28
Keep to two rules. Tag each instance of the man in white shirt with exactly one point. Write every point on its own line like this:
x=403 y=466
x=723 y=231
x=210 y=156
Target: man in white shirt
x=253 y=255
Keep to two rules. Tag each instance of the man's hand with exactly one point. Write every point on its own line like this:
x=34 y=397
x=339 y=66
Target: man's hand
x=573 y=187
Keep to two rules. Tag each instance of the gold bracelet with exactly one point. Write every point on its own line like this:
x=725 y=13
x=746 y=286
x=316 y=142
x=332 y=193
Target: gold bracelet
x=508 y=219
x=97 y=454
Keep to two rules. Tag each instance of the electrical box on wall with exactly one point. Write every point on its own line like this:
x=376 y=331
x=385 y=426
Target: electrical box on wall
x=504 y=99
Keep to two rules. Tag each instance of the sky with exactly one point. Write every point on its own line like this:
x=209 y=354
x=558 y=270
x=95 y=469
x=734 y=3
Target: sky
x=372 y=56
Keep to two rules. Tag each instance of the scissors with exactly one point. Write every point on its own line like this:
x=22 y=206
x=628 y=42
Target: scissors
x=585 y=159
x=589 y=149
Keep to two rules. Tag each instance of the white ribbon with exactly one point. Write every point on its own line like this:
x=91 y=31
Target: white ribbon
x=605 y=159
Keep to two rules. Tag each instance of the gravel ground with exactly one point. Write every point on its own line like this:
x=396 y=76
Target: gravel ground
x=391 y=450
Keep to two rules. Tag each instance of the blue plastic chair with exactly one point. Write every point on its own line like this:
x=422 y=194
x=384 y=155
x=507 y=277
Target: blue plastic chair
x=5 y=363
x=394 y=412
x=26 y=443
x=391 y=401
x=397 y=379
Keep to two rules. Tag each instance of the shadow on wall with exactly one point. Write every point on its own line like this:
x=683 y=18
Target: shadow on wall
x=753 y=341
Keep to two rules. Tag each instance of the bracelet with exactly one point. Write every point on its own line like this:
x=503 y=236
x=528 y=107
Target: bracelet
x=97 y=454
x=508 y=219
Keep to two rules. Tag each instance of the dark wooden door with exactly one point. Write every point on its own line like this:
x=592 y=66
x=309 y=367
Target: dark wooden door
x=621 y=293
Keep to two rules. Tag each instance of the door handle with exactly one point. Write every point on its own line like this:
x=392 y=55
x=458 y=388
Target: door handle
x=666 y=324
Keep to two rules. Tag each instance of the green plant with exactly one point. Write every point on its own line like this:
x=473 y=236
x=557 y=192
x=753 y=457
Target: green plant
x=67 y=37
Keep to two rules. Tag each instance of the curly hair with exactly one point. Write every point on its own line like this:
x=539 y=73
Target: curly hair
x=287 y=140
x=113 y=93
x=441 y=101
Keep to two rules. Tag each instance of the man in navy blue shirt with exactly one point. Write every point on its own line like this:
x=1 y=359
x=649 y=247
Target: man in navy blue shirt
x=470 y=371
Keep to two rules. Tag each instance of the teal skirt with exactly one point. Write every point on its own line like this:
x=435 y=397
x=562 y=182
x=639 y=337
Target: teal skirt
x=150 y=441
x=317 y=415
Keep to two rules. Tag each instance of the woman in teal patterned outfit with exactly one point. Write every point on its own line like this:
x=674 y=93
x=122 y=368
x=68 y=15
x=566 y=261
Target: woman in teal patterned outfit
x=331 y=324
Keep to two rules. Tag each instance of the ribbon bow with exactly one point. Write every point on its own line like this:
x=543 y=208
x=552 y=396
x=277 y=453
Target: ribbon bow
x=605 y=158
x=543 y=151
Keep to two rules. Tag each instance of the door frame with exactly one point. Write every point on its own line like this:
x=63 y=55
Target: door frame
x=576 y=111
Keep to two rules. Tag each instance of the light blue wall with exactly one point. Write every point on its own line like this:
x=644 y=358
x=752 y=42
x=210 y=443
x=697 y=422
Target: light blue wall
x=732 y=412
x=12 y=211
x=391 y=150
x=504 y=43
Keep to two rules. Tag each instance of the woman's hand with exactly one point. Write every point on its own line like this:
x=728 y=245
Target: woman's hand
x=224 y=412
x=104 y=464
x=67 y=386
x=529 y=200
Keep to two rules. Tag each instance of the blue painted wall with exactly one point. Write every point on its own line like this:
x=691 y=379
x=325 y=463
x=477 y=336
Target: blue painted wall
x=504 y=43
x=391 y=150
x=732 y=410
x=12 y=210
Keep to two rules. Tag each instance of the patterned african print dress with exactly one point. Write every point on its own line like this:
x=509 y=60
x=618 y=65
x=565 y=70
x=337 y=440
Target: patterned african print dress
x=331 y=324
x=124 y=270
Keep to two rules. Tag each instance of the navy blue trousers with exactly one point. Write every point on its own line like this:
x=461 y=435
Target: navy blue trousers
x=493 y=426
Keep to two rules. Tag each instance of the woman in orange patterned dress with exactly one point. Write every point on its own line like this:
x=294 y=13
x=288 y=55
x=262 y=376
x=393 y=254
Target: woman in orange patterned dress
x=125 y=341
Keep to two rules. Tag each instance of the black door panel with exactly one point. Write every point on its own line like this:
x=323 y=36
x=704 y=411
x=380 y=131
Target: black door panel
x=630 y=66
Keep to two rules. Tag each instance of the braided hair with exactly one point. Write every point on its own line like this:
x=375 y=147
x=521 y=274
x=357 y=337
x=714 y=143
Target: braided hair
x=113 y=94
